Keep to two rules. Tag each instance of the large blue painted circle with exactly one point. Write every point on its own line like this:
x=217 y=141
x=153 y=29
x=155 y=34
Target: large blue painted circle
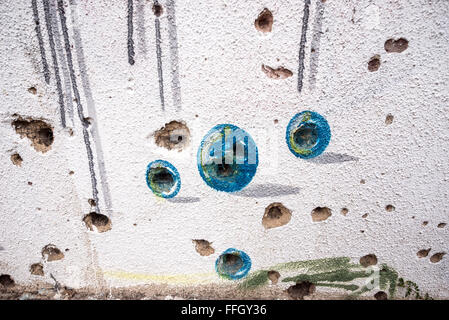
x=233 y=264
x=227 y=158
x=163 y=179
x=308 y=134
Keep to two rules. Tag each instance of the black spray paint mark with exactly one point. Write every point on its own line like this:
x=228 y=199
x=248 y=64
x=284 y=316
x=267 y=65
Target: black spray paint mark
x=130 y=33
x=41 y=42
x=159 y=58
x=55 y=61
x=315 y=43
x=78 y=102
x=305 y=20
x=174 y=59
x=90 y=107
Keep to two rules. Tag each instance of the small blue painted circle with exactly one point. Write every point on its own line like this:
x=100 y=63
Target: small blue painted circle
x=227 y=158
x=163 y=179
x=308 y=134
x=233 y=264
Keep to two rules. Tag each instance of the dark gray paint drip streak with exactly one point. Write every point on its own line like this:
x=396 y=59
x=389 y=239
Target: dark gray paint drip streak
x=174 y=58
x=90 y=107
x=130 y=33
x=159 y=60
x=302 y=44
x=41 y=41
x=63 y=62
x=315 y=44
x=55 y=61
x=141 y=31
x=78 y=102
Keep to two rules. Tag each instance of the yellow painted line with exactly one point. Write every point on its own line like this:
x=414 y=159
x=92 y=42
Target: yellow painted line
x=171 y=279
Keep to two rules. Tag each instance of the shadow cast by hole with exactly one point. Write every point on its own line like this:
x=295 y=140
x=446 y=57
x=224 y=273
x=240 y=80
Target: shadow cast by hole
x=332 y=157
x=184 y=199
x=267 y=190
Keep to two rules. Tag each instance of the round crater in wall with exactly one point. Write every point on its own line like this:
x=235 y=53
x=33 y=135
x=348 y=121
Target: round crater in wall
x=233 y=264
x=308 y=134
x=227 y=158
x=163 y=179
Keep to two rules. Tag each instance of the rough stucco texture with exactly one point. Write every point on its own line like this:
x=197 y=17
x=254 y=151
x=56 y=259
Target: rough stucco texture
x=386 y=163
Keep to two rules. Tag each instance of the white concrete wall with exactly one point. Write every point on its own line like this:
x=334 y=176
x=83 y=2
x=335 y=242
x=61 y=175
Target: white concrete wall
x=211 y=66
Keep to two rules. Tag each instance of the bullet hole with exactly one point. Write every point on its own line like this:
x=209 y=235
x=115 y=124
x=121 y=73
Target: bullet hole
x=175 y=135
x=381 y=296
x=37 y=269
x=279 y=73
x=97 y=221
x=203 y=247
x=163 y=179
x=88 y=121
x=233 y=264
x=51 y=253
x=368 y=260
x=276 y=121
x=71 y=172
x=158 y=10
x=425 y=223
x=423 y=253
x=39 y=132
x=276 y=215
x=390 y=208
x=274 y=276
x=441 y=225
x=398 y=45
x=264 y=21
x=30 y=183
x=6 y=281
x=437 y=257
x=92 y=202
x=321 y=214
x=362 y=181
x=32 y=90
x=365 y=215
x=16 y=159
x=389 y=119
x=344 y=211
x=362 y=231
x=301 y=289
x=374 y=63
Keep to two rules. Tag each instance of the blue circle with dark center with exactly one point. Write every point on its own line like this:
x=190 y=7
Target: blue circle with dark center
x=163 y=179
x=233 y=264
x=227 y=158
x=308 y=134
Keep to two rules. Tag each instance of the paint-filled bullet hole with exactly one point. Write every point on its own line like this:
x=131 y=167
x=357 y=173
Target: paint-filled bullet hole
x=274 y=276
x=381 y=295
x=276 y=215
x=158 y=10
x=365 y=215
x=37 y=269
x=390 y=208
x=278 y=73
x=203 y=247
x=368 y=260
x=51 y=253
x=423 y=253
x=16 y=159
x=92 y=202
x=441 y=225
x=437 y=257
x=301 y=289
x=425 y=223
x=344 y=211
x=38 y=132
x=32 y=90
x=398 y=45
x=174 y=135
x=6 y=281
x=374 y=63
x=163 y=179
x=321 y=213
x=264 y=22
x=97 y=221
x=233 y=264
x=389 y=119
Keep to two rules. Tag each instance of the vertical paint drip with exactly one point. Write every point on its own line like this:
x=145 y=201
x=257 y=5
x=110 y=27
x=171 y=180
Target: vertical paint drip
x=130 y=33
x=78 y=102
x=55 y=61
x=305 y=20
x=159 y=58
x=41 y=42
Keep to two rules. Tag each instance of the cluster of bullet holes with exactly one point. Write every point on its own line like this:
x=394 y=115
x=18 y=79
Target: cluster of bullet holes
x=368 y=260
x=301 y=289
x=436 y=257
x=276 y=215
x=321 y=214
x=174 y=135
x=37 y=131
x=97 y=222
x=390 y=46
x=203 y=247
x=51 y=253
x=6 y=281
x=37 y=269
x=16 y=159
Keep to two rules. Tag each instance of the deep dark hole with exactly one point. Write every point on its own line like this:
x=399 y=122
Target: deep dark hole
x=179 y=138
x=99 y=219
x=46 y=136
x=274 y=213
x=231 y=263
x=157 y=9
x=224 y=170
x=163 y=179
x=306 y=136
